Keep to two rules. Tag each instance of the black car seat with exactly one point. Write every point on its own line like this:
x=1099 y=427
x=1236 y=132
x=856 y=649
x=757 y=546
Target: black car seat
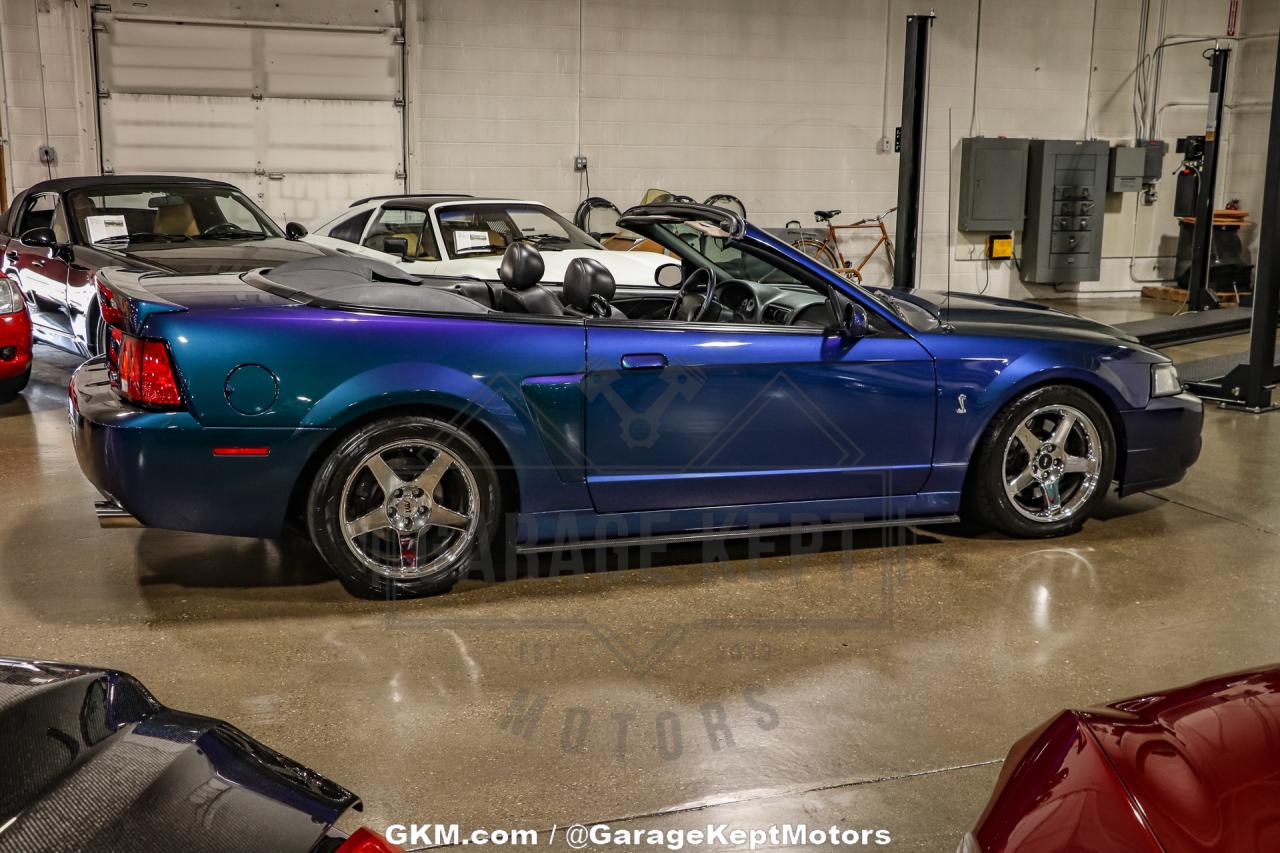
x=588 y=289
x=521 y=270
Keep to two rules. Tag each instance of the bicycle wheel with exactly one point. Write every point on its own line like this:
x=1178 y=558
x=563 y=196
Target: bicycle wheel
x=819 y=251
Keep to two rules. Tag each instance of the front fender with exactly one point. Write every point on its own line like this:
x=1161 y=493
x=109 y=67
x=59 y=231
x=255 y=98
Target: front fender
x=1122 y=376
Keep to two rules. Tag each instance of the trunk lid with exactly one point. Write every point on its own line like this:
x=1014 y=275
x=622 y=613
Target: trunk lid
x=136 y=296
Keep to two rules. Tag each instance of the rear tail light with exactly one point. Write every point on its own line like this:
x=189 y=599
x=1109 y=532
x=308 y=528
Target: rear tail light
x=114 y=341
x=143 y=371
x=111 y=313
x=367 y=841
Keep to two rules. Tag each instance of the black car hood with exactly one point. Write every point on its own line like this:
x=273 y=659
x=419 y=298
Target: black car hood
x=988 y=315
x=196 y=257
x=94 y=762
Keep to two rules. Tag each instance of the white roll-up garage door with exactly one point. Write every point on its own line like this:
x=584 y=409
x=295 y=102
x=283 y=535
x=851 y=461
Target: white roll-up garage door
x=305 y=119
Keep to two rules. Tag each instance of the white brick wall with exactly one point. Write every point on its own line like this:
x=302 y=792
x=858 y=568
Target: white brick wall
x=782 y=103
x=785 y=104
x=1248 y=124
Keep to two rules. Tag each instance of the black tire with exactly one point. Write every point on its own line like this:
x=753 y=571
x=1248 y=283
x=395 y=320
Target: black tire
x=326 y=510
x=12 y=387
x=99 y=335
x=986 y=499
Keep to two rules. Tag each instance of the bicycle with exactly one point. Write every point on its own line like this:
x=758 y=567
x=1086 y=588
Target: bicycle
x=827 y=250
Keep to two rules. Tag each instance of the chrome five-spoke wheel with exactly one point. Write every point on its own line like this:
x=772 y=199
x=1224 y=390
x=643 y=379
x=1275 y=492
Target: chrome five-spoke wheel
x=1052 y=463
x=1043 y=465
x=409 y=509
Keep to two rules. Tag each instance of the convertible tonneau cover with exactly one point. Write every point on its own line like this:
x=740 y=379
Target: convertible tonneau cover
x=344 y=281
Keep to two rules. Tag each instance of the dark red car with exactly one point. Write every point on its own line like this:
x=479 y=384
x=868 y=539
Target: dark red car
x=1196 y=768
x=15 y=340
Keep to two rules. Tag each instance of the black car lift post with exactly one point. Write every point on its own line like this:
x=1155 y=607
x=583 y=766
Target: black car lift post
x=1248 y=386
x=910 y=144
x=1199 y=296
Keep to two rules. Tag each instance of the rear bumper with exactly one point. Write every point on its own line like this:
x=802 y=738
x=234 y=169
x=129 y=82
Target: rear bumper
x=1162 y=441
x=15 y=344
x=160 y=468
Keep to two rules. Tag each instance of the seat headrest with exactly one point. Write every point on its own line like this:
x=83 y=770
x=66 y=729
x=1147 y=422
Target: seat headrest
x=585 y=278
x=522 y=266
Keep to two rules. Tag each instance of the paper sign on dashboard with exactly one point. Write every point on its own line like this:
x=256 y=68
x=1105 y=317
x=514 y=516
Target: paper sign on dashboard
x=102 y=227
x=464 y=241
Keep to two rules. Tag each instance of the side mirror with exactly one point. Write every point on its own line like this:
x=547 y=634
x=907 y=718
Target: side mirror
x=295 y=230
x=39 y=238
x=853 y=322
x=396 y=246
x=668 y=275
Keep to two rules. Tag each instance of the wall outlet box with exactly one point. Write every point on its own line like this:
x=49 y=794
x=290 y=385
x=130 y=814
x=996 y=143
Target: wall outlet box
x=1000 y=247
x=580 y=163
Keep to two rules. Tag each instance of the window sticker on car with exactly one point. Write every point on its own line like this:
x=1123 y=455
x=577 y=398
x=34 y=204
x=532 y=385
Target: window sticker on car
x=102 y=227
x=464 y=241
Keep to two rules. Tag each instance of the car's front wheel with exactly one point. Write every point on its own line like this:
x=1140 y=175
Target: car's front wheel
x=1044 y=464
x=402 y=506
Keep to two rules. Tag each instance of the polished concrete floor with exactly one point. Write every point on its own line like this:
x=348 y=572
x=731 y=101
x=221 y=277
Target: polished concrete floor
x=874 y=682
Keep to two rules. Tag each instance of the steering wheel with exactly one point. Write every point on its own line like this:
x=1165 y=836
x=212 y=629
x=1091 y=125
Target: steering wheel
x=219 y=228
x=686 y=305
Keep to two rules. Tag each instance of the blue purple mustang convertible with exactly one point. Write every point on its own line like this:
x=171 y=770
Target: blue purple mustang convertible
x=415 y=425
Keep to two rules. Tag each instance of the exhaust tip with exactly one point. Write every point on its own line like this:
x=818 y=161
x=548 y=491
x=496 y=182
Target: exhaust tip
x=112 y=515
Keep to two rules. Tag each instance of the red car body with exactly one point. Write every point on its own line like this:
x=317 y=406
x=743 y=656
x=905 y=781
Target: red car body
x=15 y=349
x=1191 y=769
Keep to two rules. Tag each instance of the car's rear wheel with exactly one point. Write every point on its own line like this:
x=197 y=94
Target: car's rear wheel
x=401 y=507
x=1044 y=464
x=12 y=387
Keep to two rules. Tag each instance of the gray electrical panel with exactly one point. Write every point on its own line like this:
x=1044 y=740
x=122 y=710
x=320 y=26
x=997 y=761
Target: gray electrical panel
x=993 y=184
x=1066 y=185
x=1127 y=171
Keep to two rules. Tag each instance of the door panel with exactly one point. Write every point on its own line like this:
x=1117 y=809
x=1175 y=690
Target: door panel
x=746 y=416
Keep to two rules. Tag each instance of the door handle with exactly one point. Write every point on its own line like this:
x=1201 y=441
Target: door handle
x=644 y=361
x=38 y=262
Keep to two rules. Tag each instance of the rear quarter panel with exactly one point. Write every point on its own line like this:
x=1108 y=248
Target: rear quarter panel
x=336 y=367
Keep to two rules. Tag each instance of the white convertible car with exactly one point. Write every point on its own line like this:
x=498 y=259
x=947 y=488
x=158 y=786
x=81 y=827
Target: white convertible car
x=465 y=236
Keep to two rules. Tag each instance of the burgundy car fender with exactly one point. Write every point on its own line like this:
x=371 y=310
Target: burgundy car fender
x=1059 y=791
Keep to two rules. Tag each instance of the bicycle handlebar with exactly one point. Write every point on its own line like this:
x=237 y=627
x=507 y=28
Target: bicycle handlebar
x=867 y=219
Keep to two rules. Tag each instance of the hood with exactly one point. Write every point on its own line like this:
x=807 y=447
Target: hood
x=94 y=762
x=212 y=256
x=987 y=315
x=630 y=269
x=1202 y=761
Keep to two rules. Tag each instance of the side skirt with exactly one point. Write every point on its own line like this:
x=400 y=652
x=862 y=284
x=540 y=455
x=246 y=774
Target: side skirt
x=731 y=533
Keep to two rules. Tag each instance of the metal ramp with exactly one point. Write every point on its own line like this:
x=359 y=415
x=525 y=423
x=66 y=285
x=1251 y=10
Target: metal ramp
x=1190 y=327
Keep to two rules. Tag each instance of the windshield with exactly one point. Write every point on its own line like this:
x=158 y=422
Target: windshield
x=166 y=213
x=476 y=230
x=707 y=245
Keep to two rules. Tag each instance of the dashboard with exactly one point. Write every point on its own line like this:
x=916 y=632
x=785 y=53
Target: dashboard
x=752 y=302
